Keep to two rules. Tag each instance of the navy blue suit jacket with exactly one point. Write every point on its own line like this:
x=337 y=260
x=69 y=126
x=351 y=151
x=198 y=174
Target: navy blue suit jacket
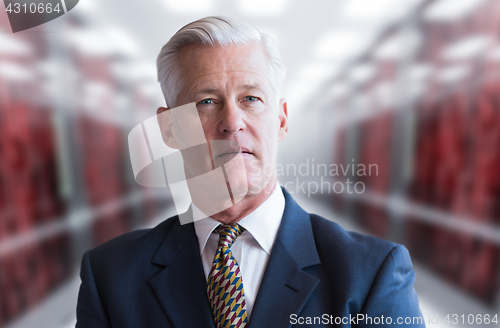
x=154 y=278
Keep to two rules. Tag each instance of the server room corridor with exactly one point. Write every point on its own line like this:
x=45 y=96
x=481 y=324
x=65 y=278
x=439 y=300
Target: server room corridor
x=394 y=132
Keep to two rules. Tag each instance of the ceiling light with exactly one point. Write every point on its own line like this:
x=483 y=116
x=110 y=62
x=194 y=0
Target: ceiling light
x=318 y=71
x=399 y=46
x=378 y=9
x=122 y=41
x=143 y=71
x=13 y=46
x=362 y=73
x=15 y=72
x=419 y=72
x=416 y=90
x=342 y=44
x=89 y=43
x=467 y=48
x=136 y=71
x=97 y=88
x=189 y=6
x=453 y=73
x=94 y=94
x=87 y=5
x=262 y=7
x=450 y=10
x=97 y=43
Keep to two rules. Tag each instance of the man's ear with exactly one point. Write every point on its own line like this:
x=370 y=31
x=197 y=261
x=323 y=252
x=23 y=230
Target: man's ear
x=283 y=117
x=164 y=117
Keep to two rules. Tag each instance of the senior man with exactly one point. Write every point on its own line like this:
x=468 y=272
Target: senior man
x=262 y=261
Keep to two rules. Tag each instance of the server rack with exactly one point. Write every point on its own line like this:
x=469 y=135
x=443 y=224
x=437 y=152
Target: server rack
x=65 y=180
x=436 y=145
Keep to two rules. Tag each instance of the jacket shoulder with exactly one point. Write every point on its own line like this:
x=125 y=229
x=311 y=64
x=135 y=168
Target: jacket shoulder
x=133 y=247
x=334 y=235
x=354 y=252
x=352 y=263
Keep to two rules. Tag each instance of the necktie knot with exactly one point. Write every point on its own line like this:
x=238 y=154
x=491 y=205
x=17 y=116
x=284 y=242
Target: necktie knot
x=228 y=234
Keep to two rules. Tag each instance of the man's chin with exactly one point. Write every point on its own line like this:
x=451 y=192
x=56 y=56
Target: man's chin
x=238 y=188
x=256 y=187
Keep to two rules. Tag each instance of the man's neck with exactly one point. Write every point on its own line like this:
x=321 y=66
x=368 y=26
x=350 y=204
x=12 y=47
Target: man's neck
x=246 y=206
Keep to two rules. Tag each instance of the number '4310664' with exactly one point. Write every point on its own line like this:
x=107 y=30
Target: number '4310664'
x=471 y=319
x=33 y=8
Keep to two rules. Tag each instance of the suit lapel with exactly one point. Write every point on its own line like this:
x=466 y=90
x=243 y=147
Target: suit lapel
x=181 y=287
x=285 y=287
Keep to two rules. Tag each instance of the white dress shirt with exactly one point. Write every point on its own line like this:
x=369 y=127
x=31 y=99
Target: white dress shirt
x=251 y=249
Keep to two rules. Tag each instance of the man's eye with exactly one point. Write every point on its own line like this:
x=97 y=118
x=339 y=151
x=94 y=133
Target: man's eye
x=251 y=98
x=206 y=102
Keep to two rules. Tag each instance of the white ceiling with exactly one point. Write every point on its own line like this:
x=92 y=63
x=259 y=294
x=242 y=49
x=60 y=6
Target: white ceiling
x=316 y=38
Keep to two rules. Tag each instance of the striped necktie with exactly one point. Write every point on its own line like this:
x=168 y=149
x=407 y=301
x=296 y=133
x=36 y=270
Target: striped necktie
x=225 y=286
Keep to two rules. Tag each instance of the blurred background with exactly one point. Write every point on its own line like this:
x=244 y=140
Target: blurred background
x=412 y=87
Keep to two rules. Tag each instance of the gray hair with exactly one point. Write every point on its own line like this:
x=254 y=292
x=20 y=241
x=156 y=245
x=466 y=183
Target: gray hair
x=214 y=30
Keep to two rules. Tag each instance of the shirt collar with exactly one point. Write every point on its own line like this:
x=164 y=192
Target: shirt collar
x=262 y=224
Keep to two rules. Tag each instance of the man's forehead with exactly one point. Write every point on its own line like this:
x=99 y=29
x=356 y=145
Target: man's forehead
x=206 y=59
x=209 y=69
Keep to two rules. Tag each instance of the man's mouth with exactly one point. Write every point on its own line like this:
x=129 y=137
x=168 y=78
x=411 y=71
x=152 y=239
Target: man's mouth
x=233 y=152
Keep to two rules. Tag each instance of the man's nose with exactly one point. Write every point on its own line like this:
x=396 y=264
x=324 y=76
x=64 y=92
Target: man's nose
x=231 y=118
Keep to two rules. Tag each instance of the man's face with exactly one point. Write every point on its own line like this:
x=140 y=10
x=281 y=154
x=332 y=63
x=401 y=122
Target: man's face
x=231 y=88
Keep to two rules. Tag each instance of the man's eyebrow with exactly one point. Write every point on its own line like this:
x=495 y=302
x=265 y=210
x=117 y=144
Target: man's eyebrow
x=202 y=91
x=247 y=87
